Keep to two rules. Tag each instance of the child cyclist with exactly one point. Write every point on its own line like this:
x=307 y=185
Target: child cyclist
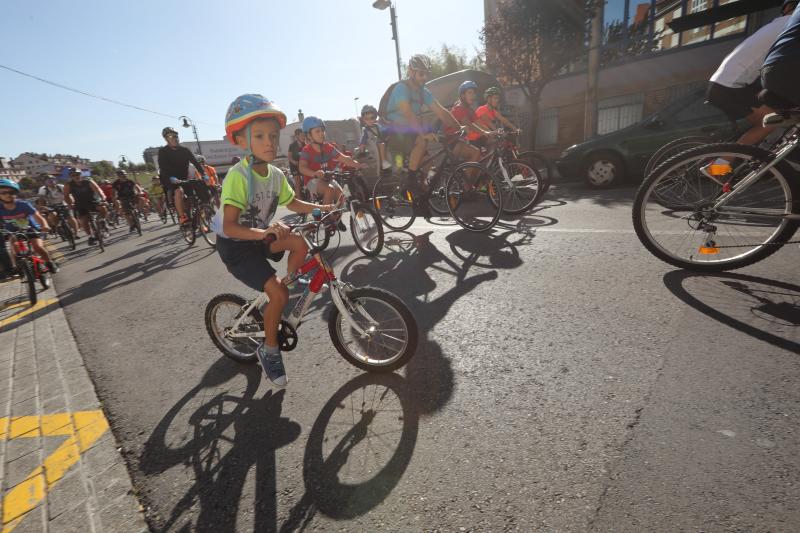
x=319 y=155
x=20 y=216
x=251 y=193
x=372 y=132
x=489 y=116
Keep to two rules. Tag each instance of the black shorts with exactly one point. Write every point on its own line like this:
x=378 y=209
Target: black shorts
x=783 y=79
x=84 y=209
x=248 y=261
x=737 y=102
x=198 y=188
x=401 y=143
x=127 y=202
x=61 y=209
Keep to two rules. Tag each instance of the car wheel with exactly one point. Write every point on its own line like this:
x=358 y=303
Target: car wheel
x=603 y=169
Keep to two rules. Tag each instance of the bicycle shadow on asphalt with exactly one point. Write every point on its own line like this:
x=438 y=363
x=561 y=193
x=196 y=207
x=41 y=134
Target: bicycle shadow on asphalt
x=404 y=270
x=231 y=434
x=766 y=309
x=154 y=264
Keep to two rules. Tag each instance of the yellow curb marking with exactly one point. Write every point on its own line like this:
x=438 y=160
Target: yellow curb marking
x=82 y=429
x=41 y=304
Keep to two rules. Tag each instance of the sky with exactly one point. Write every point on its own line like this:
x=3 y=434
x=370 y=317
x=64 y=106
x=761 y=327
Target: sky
x=193 y=58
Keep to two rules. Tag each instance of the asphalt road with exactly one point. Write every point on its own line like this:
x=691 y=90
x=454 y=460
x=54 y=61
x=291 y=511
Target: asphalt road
x=565 y=380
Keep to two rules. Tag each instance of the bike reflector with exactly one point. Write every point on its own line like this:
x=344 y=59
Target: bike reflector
x=720 y=167
x=709 y=248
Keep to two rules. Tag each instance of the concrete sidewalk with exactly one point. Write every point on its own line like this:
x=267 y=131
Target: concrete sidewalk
x=60 y=469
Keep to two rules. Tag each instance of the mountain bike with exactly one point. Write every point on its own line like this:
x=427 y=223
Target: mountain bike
x=720 y=206
x=99 y=230
x=371 y=328
x=542 y=165
x=132 y=211
x=200 y=213
x=520 y=183
x=29 y=266
x=392 y=199
x=62 y=227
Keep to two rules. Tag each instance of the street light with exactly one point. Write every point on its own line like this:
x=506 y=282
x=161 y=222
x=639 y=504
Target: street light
x=355 y=101
x=123 y=159
x=188 y=122
x=381 y=5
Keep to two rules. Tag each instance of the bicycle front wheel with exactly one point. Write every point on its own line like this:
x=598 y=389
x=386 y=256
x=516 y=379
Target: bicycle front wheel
x=390 y=331
x=675 y=217
x=520 y=185
x=205 y=214
x=392 y=203
x=474 y=197
x=436 y=197
x=189 y=230
x=70 y=236
x=366 y=229
x=137 y=224
x=30 y=280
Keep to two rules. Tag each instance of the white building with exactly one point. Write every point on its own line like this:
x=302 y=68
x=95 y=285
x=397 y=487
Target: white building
x=36 y=164
x=10 y=171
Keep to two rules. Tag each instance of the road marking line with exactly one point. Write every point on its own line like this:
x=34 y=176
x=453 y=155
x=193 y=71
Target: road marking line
x=82 y=429
x=41 y=304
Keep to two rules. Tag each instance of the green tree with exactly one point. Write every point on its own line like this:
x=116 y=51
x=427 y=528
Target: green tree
x=530 y=42
x=102 y=169
x=27 y=183
x=449 y=59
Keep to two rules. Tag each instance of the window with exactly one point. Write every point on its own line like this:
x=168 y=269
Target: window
x=730 y=26
x=620 y=112
x=697 y=110
x=547 y=128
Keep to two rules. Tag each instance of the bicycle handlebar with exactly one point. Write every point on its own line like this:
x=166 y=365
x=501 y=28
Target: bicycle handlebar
x=318 y=220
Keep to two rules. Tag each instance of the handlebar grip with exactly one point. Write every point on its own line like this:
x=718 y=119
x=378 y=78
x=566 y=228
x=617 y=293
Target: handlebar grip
x=269 y=239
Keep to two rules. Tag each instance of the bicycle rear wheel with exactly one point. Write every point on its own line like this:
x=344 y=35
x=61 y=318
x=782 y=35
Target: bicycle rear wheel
x=136 y=222
x=391 y=333
x=98 y=234
x=221 y=312
x=436 y=197
x=44 y=276
x=673 y=148
x=675 y=219
x=522 y=190
x=392 y=204
x=474 y=197
x=366 y=229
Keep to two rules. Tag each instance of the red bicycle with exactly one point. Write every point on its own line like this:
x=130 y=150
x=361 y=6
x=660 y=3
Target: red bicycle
x=30 y=267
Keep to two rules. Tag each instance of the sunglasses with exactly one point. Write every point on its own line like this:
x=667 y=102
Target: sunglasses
x=172 y=136
x=370 y=117
x=9 y=191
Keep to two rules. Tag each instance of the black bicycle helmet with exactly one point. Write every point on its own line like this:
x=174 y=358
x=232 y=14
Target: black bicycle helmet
x=168 y=131
x=121 y=173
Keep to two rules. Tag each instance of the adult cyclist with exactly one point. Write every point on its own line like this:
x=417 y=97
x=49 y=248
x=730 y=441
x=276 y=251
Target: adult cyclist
x=405 y=131
x=780 y=73
x=173 y=165
x=127 y=193
x=52 y=194
x=81 y=195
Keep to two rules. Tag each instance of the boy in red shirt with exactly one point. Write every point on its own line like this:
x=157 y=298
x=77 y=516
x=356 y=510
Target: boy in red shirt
x=488 y=115
x=462 y=111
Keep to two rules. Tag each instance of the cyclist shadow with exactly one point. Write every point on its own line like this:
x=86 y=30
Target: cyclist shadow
x=405 y=270
x=766 y=309
x=358 y=449
x=168 y=259
x=230 y=434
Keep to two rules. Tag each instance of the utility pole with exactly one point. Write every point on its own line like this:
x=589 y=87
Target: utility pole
x=381 y=5
x=593 y=75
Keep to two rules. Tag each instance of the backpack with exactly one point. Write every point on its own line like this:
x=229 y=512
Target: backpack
x=383 y=106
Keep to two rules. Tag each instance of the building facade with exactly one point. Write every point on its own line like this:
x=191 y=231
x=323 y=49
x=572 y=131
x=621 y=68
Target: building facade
x=645 y=65
x=10 y=171
x=38 y=164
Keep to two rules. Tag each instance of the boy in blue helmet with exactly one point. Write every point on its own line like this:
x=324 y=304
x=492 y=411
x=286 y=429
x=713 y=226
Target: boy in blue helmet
x=251 y=193
x=318 y=156
x=20 y=216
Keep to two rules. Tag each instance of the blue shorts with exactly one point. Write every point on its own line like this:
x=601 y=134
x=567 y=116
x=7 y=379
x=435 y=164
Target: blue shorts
x=248 y=261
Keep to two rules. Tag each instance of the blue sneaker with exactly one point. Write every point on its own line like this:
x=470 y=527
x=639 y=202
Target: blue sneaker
x=272 y=363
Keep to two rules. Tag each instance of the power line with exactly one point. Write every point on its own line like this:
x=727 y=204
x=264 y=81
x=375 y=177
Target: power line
x=109 y=100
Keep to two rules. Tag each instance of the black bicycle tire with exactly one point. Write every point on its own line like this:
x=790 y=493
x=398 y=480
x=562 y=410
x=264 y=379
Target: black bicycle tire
x=30 y=280
x=437 y=182
x=209 y=215
x=775 y=243
x=368 y=212
x=537 y=197
x=69 y=234
x=98 y=234
x=189 y=230
x=240 y=301
x=658 y=157
x=138 y=225
x=399 y=227
x=398 y=305
x=498 y=205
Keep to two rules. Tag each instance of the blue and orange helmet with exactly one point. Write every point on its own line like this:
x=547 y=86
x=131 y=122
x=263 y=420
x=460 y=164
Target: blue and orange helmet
x=248 y=107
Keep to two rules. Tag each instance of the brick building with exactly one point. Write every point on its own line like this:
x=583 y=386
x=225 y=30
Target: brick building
x=37 y=164
x=10 y=171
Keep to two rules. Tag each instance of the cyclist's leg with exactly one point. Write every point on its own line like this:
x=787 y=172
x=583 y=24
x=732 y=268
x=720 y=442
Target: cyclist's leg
x=179 y=204
x=297 y=248
x=38 y=246
x=52 y=219
x=82 y=210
